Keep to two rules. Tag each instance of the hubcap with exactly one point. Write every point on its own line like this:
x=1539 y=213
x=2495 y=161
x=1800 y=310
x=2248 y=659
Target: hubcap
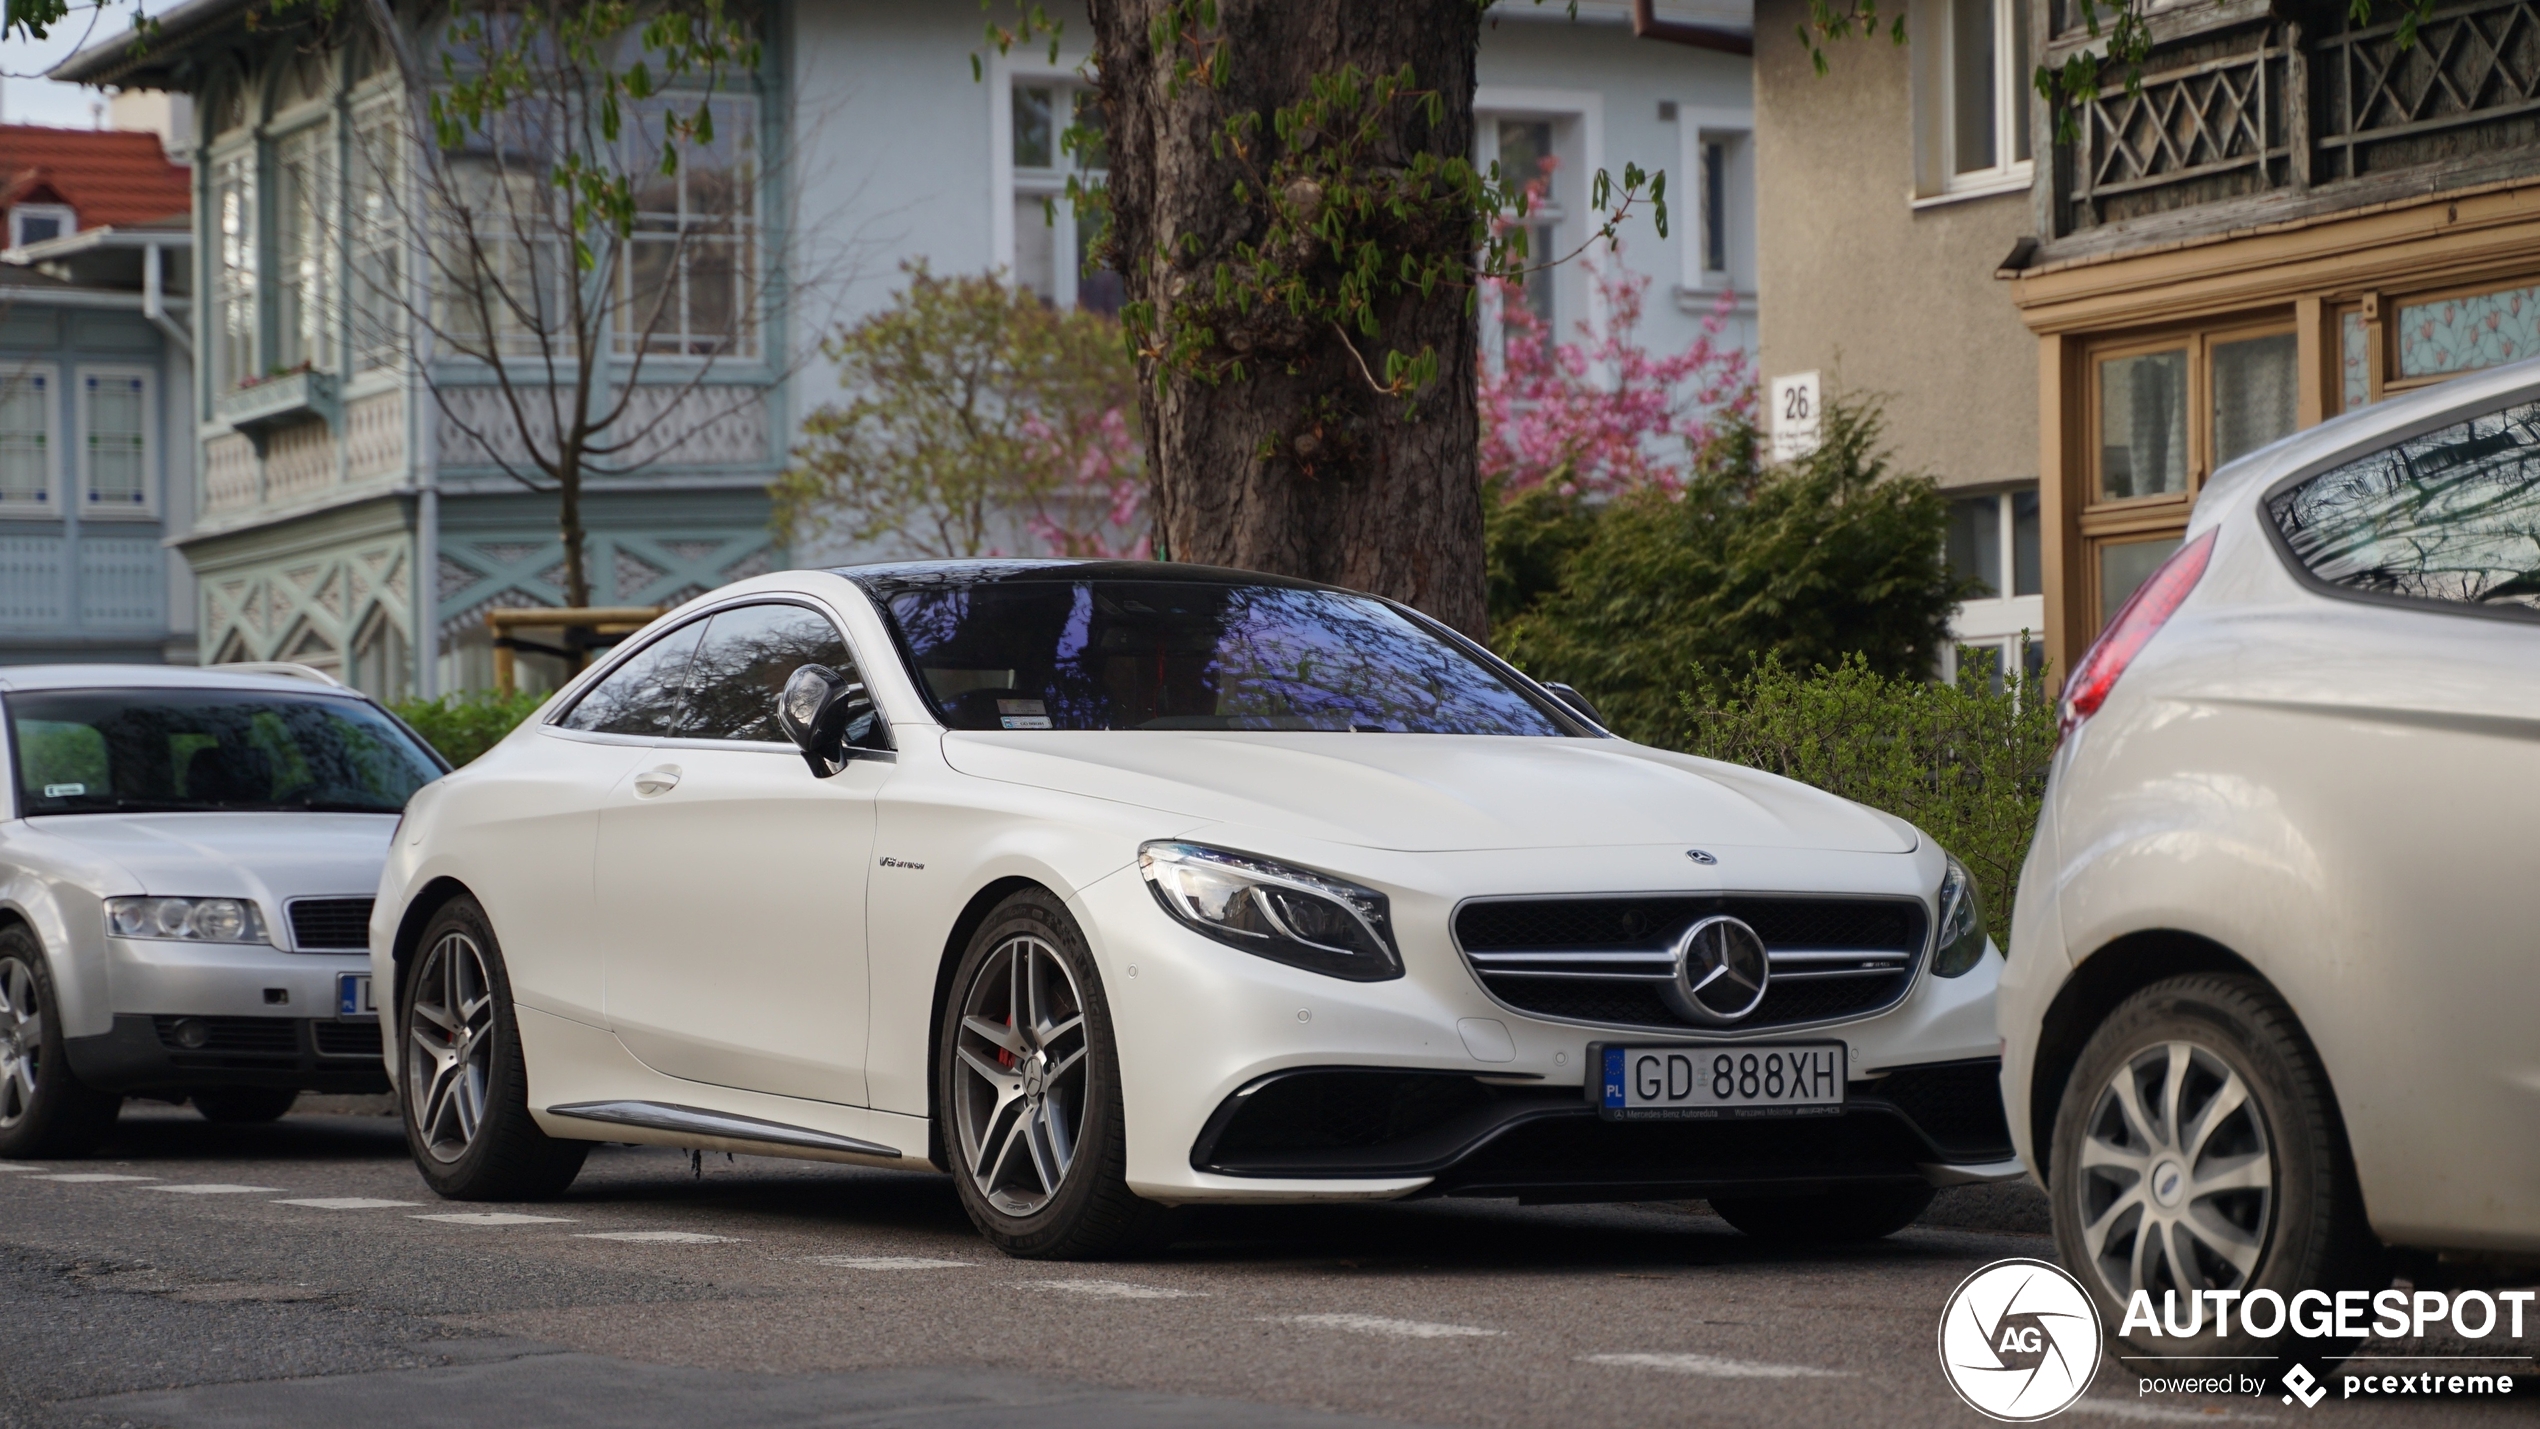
x=450 y=1046
x=1019 y=1080
x=21 y=1041
x=2177 y=1176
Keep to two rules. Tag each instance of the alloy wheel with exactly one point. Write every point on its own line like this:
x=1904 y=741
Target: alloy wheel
x=450 y=1046
x=21 y=1041
x=1020 y=1091
x=2177 y=1178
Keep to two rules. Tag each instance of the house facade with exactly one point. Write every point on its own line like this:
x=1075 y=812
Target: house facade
x=2292 y=215
x=95 y=389
x=349 y=513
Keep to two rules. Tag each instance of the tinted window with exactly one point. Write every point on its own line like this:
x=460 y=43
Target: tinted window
x=748 y=652
x=2452 y=516
x=122 y=751
x=1174 y=655
x=643 y=695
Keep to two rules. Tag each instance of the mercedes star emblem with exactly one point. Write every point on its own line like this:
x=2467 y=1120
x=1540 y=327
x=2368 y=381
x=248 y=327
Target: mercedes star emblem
x=1721 y=971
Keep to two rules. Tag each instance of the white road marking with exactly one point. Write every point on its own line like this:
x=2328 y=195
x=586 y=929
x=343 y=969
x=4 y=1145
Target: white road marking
x=18 y=1166
x=345 y=1203
x=1116 y=1290
x=655 y=1237
x=211 y=1188
x=83 y=1178
x=888 y=1262
x=2156 y=1414
x=493 y=1218
x=1717 y=1367
x=1393 y=1329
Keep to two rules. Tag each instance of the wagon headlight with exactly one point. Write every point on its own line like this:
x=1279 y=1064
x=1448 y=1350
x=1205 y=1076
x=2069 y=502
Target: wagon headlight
x=192 y=920
x=1290 y=915
x=1960 y=945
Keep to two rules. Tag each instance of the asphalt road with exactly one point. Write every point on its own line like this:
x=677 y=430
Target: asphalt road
x=299 y=1274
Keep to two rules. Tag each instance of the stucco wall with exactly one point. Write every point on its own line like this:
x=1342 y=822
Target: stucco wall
x=1878 y=295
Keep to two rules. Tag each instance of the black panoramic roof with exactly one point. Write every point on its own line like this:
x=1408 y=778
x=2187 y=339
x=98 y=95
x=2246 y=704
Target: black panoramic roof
x=885 y=581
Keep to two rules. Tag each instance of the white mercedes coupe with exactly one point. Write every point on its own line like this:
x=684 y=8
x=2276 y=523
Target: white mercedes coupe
x=1110 y=887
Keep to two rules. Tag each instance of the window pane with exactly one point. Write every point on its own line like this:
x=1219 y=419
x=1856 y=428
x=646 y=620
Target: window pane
x=747 y=656
x=2027 y=570
x=2254 y=384
x=1715 y=207
x=36 y=227
x=26 y=459
x=1971 y=85
x=2355 y=356
x=1980 y=667
x=2017 y=99
x=2453 y=515
x=1098 y=290
x=641 y=696
x=1092 y=154
x=1034 y=143
x=117 y=441
x=1975 y=543
x=1035 y=247
x=2143 y=425
x=1523 y=146
x=2125 y=565
x=2465 y=334
x=234 y=271
x=378 y=269
x=303 y=251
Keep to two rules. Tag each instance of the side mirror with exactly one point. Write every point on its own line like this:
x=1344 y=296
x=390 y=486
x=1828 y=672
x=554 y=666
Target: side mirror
x=828 y=717
x=1577 y=702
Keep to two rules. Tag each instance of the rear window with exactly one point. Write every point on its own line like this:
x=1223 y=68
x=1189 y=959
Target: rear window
x=1128 y=654
x=2449 y=517
x=195 y=751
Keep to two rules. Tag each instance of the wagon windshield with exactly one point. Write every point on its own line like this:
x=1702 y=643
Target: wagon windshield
x=1127 y=654
x=194 y=751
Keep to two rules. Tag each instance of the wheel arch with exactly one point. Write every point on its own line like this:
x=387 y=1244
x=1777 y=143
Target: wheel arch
x=2107 y=977
x=957 y=941
x=419 y=910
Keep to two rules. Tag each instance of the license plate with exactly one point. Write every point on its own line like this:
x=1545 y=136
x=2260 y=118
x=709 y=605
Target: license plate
x=352 y=996
x=1750 y=1079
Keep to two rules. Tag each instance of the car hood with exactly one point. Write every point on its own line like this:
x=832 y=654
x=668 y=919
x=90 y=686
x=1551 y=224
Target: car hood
x=1434 y=793
x=265 y=855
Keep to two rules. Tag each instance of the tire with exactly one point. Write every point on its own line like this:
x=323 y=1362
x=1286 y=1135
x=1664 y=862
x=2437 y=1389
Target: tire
x=45 y=1109
x=1030 y=1101
x=2265 y=1197
x=464 y=1092
x=1827 y=1218
x=244 y=1106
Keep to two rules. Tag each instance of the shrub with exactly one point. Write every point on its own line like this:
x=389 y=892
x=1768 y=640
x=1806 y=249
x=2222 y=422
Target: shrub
x=1812 y=562
x=463 y=726
x=1965 y=763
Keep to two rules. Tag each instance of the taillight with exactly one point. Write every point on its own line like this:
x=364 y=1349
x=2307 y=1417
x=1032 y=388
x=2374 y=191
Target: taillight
x=2145 y=612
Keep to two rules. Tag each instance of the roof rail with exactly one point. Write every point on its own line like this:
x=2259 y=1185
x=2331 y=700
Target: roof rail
x=277 y=667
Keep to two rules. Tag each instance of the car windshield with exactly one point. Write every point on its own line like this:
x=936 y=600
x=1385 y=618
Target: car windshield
x=1132 y=654
x=188 y=751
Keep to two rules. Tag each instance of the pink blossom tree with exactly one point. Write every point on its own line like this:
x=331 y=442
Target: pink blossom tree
x=1603 y=414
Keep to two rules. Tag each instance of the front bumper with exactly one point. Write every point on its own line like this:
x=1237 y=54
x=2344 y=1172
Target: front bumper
x=145 y=1054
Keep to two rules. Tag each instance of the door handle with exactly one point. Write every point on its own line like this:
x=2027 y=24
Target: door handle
x=656 y=781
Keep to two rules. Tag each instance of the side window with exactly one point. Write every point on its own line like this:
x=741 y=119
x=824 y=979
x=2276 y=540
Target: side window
x=641 y=696
x=747 y=654
x=2452 y=516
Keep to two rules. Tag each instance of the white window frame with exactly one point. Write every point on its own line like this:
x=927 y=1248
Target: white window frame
x=147 y=508
x=19 y=213
x=1009 y=182
x=1936 y=177
x=1584 y=110
x=1998 y=620
x=1697 y=127
x=50 y=508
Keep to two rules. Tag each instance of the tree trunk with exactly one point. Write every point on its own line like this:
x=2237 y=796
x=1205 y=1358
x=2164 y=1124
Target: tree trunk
x=1302 y=467
x=577 y=575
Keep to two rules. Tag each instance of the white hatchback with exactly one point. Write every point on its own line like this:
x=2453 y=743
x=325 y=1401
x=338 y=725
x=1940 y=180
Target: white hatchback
x=2272 y=1003
x=1112 y=886
x=187 y=859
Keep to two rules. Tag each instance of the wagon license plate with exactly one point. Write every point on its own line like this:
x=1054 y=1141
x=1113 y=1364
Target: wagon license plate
x=352 y=996
x=1750 y=1079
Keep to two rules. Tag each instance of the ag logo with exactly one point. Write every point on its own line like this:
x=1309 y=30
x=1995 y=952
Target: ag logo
x=2019 y=1340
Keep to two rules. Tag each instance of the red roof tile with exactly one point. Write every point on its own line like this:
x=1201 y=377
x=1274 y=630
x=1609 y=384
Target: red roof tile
x=107 y=176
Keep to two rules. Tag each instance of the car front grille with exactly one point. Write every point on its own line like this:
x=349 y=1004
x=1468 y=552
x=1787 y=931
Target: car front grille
x=330 y=924
x=346 y=1039
x=1606 y=960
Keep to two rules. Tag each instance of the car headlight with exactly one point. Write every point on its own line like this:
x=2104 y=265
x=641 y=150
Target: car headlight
x=1960 y=945
x=193 y=920
x=1289 y=915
